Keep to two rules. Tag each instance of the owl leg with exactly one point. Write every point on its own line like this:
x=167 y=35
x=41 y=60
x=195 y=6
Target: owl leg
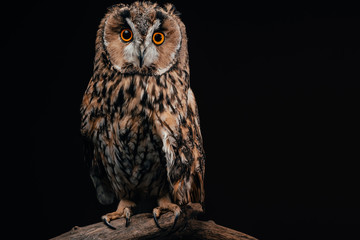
x=165 y=204
x=123 y=210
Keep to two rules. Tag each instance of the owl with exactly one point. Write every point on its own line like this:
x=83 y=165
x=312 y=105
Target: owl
x=139 y=117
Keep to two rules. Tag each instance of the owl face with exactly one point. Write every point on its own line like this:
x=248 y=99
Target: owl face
x=142 y=38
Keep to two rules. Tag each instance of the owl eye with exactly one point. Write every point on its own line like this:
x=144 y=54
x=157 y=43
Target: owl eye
x=126 y=35
x=158 y=38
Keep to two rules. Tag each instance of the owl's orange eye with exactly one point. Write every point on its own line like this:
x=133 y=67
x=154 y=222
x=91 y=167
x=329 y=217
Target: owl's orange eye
x=158 y=38
x=126 y=35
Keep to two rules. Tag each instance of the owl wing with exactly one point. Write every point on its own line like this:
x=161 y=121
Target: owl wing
x=187 y=168
x=98 y=175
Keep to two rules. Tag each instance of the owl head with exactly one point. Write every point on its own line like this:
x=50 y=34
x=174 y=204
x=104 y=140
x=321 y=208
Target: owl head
x=142 y=38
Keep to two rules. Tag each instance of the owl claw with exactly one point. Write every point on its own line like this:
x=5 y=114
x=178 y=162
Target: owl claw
x=127 y=222
x=108 y=224
x=127 y=216
x=177 y=214
x=123 y=211
x=156 y=221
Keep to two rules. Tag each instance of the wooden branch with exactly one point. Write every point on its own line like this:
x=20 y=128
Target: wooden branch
x=142 y=226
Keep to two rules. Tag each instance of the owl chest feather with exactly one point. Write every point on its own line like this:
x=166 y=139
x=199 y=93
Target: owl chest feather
x=135 y=164
x=130 y=116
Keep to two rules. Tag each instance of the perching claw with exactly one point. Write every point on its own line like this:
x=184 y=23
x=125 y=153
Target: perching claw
x=108 y=224
x=177 y=214
x=156 y=214
x=166 y=204
x=127 y=216
x=123 y=211
x=156 y=221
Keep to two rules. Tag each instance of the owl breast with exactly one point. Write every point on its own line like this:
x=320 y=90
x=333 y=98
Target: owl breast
x=124 y=116
x=133 y=160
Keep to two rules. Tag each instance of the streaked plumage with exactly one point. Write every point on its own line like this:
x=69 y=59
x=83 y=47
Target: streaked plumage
x=139 y=116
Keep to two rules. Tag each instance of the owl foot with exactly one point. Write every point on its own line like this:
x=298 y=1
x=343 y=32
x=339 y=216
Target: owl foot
x=123 y=210
x=165 y=204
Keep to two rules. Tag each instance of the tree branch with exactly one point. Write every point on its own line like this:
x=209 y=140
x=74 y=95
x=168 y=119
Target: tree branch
x=142 y=226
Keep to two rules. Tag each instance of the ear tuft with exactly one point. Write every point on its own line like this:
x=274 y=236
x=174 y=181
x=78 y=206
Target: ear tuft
x=171 y=9
x=116 y=6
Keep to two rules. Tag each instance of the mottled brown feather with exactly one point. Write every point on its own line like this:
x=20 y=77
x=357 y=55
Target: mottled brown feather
x=141 y=124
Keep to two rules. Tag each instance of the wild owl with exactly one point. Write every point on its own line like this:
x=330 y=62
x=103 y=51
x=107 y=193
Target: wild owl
x=140 y=120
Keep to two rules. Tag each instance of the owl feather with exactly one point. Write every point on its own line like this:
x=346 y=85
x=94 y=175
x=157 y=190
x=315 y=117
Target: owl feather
x=140 y=120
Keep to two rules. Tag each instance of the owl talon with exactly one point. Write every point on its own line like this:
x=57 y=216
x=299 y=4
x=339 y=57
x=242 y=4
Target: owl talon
x=108 y=224
x=156 y=221
x=123 y=211
x=127 y=222
x=166 y=204
x=163 y=229
x=177 y=214
x=127 y=216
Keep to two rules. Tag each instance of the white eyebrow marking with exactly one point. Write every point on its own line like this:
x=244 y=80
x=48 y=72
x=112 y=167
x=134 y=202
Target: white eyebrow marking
x=137 y=36
x=150 y=32
x=151 y=54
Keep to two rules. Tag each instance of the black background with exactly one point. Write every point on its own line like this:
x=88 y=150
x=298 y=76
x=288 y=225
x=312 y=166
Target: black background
x=278 y=93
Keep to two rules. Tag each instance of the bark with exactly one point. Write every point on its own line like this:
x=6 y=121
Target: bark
x=142 y=226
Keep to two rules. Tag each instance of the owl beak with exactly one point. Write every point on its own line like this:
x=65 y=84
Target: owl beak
x=141 y=59
x=141 y=56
